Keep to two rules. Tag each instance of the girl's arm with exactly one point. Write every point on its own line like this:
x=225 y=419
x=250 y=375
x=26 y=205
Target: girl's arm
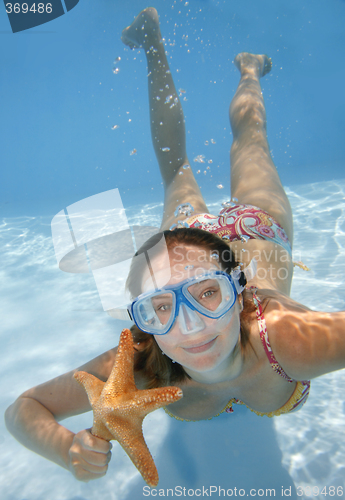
x=33 y=421
x=307 y=343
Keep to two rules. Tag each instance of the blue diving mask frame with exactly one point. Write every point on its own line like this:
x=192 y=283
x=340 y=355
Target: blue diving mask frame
x=212 y=295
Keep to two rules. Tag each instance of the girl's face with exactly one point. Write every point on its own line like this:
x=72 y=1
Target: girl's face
x=208 y=350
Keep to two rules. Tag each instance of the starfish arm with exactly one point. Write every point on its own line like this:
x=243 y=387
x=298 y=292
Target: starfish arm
x=101 y=431
x=132 y=441
x=92 y=385
x=144 y=402
x=121 y=379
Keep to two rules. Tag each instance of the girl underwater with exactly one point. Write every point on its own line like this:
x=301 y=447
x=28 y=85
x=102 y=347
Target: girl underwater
x=203 y=320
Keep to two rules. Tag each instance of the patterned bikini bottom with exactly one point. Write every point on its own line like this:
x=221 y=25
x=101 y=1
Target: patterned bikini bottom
x=241 y=223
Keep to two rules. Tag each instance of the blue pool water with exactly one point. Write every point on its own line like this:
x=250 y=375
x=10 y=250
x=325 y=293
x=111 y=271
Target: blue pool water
x=61 y=100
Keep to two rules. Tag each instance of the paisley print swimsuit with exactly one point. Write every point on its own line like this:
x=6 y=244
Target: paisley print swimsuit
x=242 y=222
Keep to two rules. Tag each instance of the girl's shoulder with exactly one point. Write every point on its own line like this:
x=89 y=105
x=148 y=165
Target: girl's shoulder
x=306 y=343
x=277 y=317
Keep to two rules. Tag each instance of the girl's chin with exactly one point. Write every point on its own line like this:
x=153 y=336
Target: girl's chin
x=202 y=364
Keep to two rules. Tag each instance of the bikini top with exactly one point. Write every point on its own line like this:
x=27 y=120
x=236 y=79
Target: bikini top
x=301 y=392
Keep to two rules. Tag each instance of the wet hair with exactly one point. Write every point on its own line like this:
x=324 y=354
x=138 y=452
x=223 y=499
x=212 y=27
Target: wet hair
x=157 y=368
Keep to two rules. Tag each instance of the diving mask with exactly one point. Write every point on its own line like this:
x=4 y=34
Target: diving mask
x=211 y=295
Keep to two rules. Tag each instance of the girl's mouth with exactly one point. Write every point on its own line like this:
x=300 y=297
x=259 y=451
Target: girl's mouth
x=201 y=348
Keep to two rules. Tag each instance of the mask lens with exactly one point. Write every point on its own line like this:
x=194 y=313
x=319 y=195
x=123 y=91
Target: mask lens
x=207 y=293
x=213 y=295
x=162 y=305
x=153 y=313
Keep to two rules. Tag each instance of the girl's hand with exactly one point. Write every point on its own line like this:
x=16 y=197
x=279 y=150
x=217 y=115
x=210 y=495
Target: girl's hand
x=89 y=456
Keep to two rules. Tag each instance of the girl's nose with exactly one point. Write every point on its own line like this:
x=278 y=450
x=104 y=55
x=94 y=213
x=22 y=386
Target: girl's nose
x=189 y=321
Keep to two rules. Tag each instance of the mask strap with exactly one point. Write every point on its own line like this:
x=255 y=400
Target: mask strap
x=249 y=272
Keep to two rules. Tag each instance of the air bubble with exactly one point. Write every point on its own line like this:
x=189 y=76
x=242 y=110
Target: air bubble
x=181 y=224
x=158 y=98
x=116 y=71
x=189 y=267
x=234 y=200
x=184 y=209
x=214 y=255
x=245 y=238
x=206 y=143
x=199 y=159
x=185 y=167
x=220 y=186
x=165 y=149
x=114 y=127
x=227 y=204
x=226 y=237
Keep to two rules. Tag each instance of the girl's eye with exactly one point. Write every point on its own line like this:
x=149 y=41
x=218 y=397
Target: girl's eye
x=163 y=308
x=209 y=293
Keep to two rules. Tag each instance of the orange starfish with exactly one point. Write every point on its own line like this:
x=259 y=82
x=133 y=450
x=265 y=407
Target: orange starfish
x=119 y=408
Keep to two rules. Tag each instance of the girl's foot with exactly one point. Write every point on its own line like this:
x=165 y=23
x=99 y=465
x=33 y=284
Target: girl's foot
x=144 y=30
x=258 y=64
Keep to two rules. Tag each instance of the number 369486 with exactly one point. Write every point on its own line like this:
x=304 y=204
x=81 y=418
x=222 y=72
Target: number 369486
x=24 y=8
x=330 y=491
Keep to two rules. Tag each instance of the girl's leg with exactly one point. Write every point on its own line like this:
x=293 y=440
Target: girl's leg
x=254 y=178
x=166 y=118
